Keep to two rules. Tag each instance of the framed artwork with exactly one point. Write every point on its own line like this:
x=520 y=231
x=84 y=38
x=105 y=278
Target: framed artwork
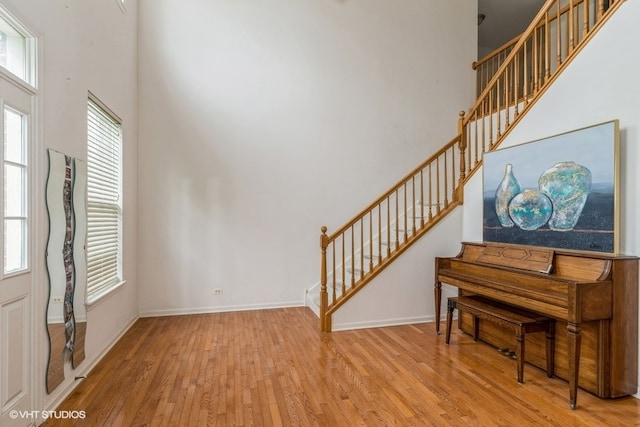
x=558 y=192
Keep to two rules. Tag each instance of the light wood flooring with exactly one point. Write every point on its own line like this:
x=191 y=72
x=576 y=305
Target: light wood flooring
x=274 y=368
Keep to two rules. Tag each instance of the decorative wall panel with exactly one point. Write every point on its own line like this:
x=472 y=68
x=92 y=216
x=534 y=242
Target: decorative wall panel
x=66 y=263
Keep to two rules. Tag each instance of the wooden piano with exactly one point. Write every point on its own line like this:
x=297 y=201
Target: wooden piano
x=593 y=296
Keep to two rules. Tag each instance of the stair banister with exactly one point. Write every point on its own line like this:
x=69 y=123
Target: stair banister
x=519 y=80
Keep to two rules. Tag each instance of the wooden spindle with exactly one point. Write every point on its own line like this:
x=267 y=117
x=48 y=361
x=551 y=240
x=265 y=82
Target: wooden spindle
x=462 y=146
x=404 y=210
x=430 y=194
x=526 y=75
x=570 y=28
x=353 y=258
x=507 y=94
x=516 y=82
x=600 y=9
x=437 y=186
x=454 y=196
x=370 y=241
x=413 y=204
x=333 y=272
x=446 y=186
x=497 y=110
x=585 y=19
x=421 y=198
x=535 y=66
x=388 y=226
x=397 y=218
x=380 y=232
x=558 y=37
x=361 y=248
x=343 y=268
x=547 y=47
x=490 y=122
x=475 y=142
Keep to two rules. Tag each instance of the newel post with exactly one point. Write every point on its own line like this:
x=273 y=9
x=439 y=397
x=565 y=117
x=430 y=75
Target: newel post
x=325 y=325
x=462 y=145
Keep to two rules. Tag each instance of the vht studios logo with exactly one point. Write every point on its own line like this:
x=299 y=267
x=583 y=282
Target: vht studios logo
x=47 y=414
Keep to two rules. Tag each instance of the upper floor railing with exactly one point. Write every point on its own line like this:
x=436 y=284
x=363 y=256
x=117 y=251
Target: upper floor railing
x=556 y=34
x=487 y=66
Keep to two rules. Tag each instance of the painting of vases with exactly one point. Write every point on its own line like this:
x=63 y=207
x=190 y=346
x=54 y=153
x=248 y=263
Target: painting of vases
x=558 y=192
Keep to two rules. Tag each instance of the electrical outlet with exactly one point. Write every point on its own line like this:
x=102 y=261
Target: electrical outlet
x=57 y=299
x=217 y=291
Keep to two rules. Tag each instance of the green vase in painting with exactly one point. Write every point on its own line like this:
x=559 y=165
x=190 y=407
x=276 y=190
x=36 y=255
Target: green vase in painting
x=567 y=184
x=530 y=210
x=509 y=187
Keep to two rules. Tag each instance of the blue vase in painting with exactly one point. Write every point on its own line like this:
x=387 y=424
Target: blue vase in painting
x=507 y=190
x=530 y=210
x=567 y=184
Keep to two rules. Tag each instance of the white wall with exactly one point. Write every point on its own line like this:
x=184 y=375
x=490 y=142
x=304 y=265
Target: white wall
x=262 y=121
x=600 y=85
x=87 y=45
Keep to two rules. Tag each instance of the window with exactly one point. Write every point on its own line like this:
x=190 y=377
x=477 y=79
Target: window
x=15 y=191
x=17 y=65
x=17 y=50
x=104 y=208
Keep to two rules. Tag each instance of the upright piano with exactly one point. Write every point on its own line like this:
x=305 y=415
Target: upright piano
x=592 y=296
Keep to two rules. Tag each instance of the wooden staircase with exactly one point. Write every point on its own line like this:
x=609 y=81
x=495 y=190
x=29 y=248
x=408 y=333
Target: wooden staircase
x=365 y=245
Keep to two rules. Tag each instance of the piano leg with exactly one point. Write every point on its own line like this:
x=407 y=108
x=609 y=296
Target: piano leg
x=451 y=305
x=551 y=348
x=520 y=353
x=574 y=339
x=438 y=297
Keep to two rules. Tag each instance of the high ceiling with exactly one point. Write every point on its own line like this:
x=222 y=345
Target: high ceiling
x=504 y=19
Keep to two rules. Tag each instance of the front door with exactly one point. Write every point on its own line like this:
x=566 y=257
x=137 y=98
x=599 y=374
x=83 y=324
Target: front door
x=16 y=284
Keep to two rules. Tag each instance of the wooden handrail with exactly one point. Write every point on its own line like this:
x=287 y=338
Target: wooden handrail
x=365 y=245
x=389 y=192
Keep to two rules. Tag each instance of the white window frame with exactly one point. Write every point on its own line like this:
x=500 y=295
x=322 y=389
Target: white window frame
x=30 y=69
x=104 y=201
x=26 y=84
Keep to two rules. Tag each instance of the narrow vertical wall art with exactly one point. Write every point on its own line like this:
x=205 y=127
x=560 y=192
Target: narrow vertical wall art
x=65 y=258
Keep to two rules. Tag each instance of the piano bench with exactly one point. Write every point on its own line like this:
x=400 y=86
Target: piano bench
x=520 y=321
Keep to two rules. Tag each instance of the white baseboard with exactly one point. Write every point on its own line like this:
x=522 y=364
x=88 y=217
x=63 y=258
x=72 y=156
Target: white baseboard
x=218 y=309
x=382 y=323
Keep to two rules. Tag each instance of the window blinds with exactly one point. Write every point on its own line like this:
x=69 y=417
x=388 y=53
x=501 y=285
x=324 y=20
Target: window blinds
x=103 y=201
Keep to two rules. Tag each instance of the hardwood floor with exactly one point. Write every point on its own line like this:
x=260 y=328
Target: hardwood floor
x=274 y=367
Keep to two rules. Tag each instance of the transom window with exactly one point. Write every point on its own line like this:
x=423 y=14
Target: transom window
x=17 y=49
